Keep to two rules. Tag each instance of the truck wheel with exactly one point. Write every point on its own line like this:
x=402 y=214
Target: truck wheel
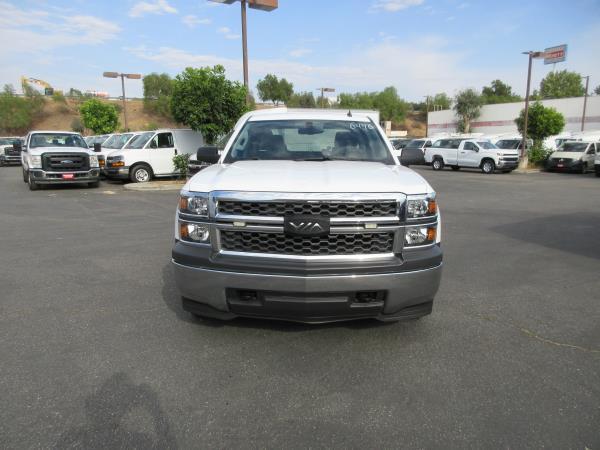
x=598 y=173
x=455 y=168
x=25 y=176
x=94 y=184
x=488 y=166
x=141 y=173
x=32 y=184
x=437 y=164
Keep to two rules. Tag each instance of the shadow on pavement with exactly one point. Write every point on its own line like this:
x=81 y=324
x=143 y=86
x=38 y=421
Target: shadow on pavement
x=111 y=413
x=573 y=233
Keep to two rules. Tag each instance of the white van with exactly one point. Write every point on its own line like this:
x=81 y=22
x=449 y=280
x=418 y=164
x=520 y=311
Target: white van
x=574 y=156
x=150 y=154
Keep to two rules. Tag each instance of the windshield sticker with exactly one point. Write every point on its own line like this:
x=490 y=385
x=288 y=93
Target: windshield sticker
x=361 y=125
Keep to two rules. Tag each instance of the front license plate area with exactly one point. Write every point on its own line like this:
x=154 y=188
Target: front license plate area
x=68 y=176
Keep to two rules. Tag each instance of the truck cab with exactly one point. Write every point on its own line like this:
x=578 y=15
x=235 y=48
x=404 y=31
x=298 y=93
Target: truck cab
x=58 y=157
x=306 y=215
x=150 y=154
x=471 y=153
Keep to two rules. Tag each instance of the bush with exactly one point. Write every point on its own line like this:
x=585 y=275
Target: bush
x=98 y=116
x=77 y=125
x=17 y=113
x=58 y=97
x=181 y=163
x=538 y=154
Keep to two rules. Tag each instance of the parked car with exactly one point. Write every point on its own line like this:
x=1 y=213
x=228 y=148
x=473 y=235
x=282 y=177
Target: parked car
x=113 y=143
x=150 y=154
x=574 y=156
x=307 y=216
x=9 y=154
x=58 y=157
x=472 y=153
x=421 y=144
x=513 y=143
x=400 y=143
x=99 y=139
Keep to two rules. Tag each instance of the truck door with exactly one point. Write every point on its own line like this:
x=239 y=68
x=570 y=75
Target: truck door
x=162 y=150
x=468 y=155
x=590 y=155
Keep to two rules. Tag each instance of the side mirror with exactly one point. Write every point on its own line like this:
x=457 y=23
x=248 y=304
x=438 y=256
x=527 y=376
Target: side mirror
x=18 y=147
x=208 y=154
x=97 y=147
x=411 y=156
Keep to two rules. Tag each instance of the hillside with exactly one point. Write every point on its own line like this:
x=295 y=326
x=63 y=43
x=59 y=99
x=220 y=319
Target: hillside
x=59 y=116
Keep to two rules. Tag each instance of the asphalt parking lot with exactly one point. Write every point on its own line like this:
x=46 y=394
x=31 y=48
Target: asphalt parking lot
x=97 y=352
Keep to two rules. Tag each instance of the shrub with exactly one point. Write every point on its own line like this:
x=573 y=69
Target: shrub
x=538 y=154
x=58 y=97
x=98 y=116
x=181 y=163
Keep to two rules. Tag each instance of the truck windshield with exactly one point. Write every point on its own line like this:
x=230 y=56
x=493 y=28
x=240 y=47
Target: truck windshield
x=9 y=141
x=309 y=140
x=140 y=140
x=117 y=141
x=573 y=147
x=417 y=143
x=486 y=145
x=57 y=140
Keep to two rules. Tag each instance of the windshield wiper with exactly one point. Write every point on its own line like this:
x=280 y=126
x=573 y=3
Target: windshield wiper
x=320 y=158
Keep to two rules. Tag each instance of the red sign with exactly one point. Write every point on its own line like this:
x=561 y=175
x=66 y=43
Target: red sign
x=555 y=54
x=68 y=176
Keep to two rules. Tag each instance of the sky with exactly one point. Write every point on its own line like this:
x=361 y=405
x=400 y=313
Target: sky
x=421 y=47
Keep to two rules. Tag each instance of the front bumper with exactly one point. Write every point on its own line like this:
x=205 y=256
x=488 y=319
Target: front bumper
x=555 y=164
x=507 y=165
x=308 y=299
x=121 y=173
x=10 y=159
x=44 y=177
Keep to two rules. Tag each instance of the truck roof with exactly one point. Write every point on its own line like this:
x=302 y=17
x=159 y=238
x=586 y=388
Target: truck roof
x=55 y=131
x=285 y=113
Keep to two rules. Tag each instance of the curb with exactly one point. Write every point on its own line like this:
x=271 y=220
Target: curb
x=154 y=186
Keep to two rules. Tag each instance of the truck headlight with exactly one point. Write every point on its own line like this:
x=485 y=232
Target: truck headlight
x=94 y=161
x=36 y=161
x=194 y=232
x=420 y=206
x=194 y=203
x=420 y=235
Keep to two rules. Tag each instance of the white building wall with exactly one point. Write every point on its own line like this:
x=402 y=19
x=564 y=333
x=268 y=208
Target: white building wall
x=500 y=118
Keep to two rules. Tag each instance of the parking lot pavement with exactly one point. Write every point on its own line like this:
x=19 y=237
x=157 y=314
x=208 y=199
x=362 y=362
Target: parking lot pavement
x=96 y=351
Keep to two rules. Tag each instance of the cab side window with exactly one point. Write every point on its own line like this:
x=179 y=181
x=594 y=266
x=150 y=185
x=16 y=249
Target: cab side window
x=164 y=140
x=470 y=146
x=439 y=144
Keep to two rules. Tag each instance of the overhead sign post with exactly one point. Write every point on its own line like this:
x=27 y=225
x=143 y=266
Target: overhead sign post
x=553 y=55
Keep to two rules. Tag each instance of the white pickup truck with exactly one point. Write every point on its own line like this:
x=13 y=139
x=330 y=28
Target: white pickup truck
x=58 y=157
x=473 y=153
x=307 y=216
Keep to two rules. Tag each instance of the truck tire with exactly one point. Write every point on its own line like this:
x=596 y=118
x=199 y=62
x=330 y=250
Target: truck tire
x=32 y=184
x=140 y=173
x=25 y=176
x=437 y=164
x=488 y=166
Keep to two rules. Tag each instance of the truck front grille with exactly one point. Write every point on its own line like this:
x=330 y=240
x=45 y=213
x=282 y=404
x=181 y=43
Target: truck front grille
x=9 y=151
x=331 y=209
x=65 y=162
x=332 y=244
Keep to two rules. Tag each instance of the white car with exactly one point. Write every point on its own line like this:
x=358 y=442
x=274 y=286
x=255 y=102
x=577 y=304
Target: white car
x=150 y=154
x=471 y=153
x=307 y=216
x=574 y=156
x=58 y=157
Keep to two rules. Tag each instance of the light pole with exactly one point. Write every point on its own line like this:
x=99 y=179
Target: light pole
x=426 y=115
x=587 y=84
x=133 y=76
x=324 y=89
x=524 y=160
x=263 y=5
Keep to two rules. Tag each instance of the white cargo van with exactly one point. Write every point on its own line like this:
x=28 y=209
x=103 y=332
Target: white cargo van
x=574 y=156
x=150 y=154
x=475 y=153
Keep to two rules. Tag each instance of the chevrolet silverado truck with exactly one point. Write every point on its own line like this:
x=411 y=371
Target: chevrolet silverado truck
x=307 y=216
x=58 y=157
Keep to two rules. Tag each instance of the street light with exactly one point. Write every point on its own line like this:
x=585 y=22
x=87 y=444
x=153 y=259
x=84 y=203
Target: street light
x=324 y=89
x=263 y=5
x=587 y=84
x=132 y=76
x=524 y=159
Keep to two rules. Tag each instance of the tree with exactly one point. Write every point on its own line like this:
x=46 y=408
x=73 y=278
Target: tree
x=440 y=101
x=542 y=122
x=390 y=105
x=562 y=84
x=207 y=102
x=467 y=105
x=98 y=116
x=270 y=88
x=158 y=89
x=499 y=92
x=302 y=100
x=597 y=90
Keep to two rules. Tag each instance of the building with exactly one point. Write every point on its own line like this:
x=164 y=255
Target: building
x=500 y=118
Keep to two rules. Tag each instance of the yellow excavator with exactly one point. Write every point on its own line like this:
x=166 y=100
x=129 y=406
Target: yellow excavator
x=28 y=82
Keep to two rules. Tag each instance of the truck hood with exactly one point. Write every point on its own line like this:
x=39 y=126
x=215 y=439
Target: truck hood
x=570 y=155
x=40 y=150
x=308 y=176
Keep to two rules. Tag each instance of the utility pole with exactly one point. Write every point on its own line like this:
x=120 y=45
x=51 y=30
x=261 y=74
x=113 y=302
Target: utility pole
x=245 y=48
x=587 y=83
x=524 y=159
x=124 y=104
x=426 y=115
x=323 y=90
